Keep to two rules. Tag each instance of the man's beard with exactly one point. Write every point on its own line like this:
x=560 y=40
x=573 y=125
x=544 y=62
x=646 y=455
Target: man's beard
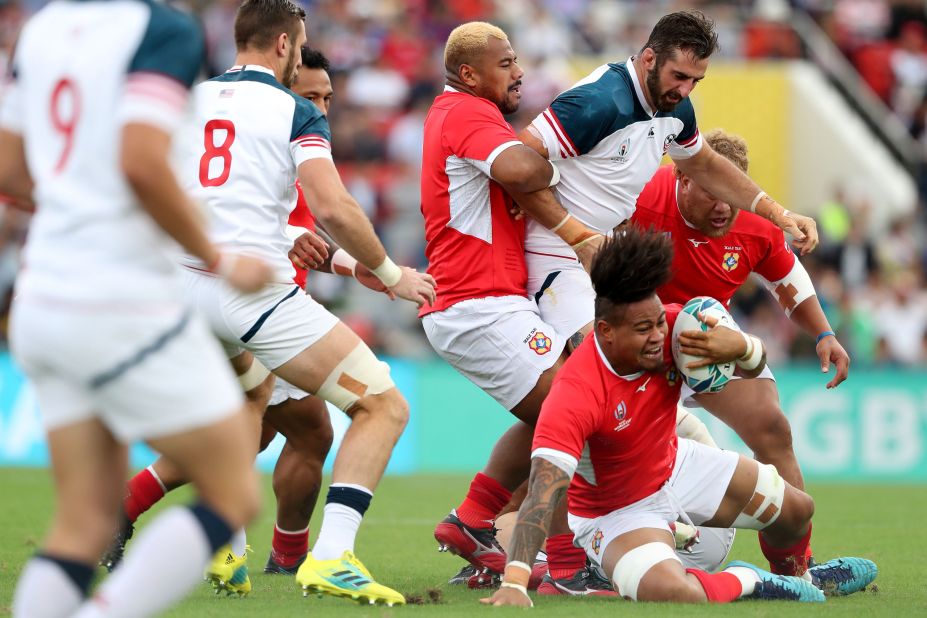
x=289 y=71
x=653 y=88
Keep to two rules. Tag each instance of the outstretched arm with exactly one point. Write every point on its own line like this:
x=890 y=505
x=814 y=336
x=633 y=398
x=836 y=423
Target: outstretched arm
x=810 y=317
x=720 y=177
x=546 y=487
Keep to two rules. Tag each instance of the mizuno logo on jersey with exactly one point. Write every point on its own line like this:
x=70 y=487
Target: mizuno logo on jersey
x=696 y=243
x=643 y=387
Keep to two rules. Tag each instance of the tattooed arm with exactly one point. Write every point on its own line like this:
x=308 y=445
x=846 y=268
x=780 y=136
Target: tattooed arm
x=546 y=487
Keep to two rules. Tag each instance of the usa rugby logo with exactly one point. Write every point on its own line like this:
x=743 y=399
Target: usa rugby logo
x=669 y=140
x=540 y=343
x=729 y=261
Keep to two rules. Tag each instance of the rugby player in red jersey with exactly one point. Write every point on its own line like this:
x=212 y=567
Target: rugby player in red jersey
x=607 y=432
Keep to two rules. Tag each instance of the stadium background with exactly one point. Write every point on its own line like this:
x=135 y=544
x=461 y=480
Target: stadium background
x=830 y=95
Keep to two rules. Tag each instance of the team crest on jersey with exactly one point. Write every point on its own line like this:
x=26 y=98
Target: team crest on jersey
x=621 y=411
x=597 y=541
x=539 y=343
x=623 y=150
x=672 y=376
x=729 y=261
x=669 y=140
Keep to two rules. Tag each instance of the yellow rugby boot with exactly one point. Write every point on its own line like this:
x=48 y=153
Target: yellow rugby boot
x=344 y=577
x=228 y=572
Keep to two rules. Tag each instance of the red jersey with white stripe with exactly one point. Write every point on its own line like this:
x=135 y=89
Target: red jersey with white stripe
x=706 y=266
x=620 y=430
x=301 y=217
x=475 y=248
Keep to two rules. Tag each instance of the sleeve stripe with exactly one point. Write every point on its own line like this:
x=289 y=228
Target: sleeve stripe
x=566 y=462
x=562 y=137
x=154 y=85
x=498 y=150
x=307 y=141
x=689 y=141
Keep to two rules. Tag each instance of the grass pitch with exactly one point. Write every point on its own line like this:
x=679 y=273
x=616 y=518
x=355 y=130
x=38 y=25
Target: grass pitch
x=884 y=523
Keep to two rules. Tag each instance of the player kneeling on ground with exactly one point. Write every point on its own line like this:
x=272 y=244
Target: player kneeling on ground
x=608 y=424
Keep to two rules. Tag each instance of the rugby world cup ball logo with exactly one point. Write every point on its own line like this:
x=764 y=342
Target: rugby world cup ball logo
x=540 y=343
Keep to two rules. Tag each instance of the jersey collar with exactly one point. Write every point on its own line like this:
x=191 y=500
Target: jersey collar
x=450 y=89
x=637 y=87
x=682 y=216
x=627 y=378
x=251 y=67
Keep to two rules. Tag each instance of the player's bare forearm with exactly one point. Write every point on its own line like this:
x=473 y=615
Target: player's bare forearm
x=338 y=213
x=810 y=317
x=546 y=488
x=15 y=179
x=522 y=169
x=720 y=177
x=144 y=161
x=541 y=205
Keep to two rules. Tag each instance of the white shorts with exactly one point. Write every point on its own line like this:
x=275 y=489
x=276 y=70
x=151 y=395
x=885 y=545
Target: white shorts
x=274 y=324
x=694 y=491
x=283 y=390
x=498 y=343
x=687 y=395
x=146 y=371
x=562 y=290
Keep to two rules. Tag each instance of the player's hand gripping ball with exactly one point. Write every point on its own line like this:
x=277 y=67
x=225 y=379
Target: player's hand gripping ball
x=712 y=378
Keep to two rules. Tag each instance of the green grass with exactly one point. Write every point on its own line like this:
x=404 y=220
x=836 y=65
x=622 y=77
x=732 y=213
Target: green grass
x=880 y=522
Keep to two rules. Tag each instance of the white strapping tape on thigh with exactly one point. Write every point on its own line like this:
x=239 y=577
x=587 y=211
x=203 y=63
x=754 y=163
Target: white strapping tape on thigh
x=254 y=377
x=357 y=375
x=632 y=567
x=690 y=426
x=766 y=504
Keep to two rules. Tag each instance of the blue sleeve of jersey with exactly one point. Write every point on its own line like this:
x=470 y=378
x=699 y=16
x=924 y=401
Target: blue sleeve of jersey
x=309 y=120
x=686 y=112
x=587 y=114
x=172 y=45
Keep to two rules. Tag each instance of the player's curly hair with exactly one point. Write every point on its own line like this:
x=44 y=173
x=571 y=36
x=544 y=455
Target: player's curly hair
x=688 y=30
x=630 y=267
x=315 y=59
x=732 y=147
x=258 y=23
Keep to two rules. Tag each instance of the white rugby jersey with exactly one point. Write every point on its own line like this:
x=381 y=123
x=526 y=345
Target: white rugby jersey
x=607 y=143
x=82 y=71
x=240 y=155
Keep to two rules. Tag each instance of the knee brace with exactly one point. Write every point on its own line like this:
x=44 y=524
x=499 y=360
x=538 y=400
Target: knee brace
x=632 y=567
x=358 y=374
x=766 y=504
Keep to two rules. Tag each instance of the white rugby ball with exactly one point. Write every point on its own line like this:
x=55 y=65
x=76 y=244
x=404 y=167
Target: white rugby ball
x=712 y=378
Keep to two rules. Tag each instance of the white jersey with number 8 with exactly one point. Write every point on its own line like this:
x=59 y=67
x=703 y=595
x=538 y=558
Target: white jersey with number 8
x=239 y=157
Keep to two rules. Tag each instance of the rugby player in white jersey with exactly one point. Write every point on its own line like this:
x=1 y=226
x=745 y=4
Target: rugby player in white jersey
x=99 y=324
x=250 y=140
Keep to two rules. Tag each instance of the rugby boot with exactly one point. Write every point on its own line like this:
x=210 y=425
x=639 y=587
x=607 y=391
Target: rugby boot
x=117 y=546
x=225 y=567
x=463 y=575
x=843 y=576
x=587 y=581
x=477 y=546
x=781 y=587
x=274 y=567
x=344 y=577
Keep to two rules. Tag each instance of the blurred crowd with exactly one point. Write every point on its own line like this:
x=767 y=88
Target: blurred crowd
x=387 y=66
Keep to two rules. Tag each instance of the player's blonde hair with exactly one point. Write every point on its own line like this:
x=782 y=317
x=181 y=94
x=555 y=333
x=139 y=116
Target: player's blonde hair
x=467 y=42
x=730 y=146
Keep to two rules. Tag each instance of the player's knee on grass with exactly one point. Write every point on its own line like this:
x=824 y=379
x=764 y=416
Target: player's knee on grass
x=649 y=572
x=797 y=511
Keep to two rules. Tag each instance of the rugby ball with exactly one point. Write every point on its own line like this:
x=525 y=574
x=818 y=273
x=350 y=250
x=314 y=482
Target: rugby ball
x=712 y=378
